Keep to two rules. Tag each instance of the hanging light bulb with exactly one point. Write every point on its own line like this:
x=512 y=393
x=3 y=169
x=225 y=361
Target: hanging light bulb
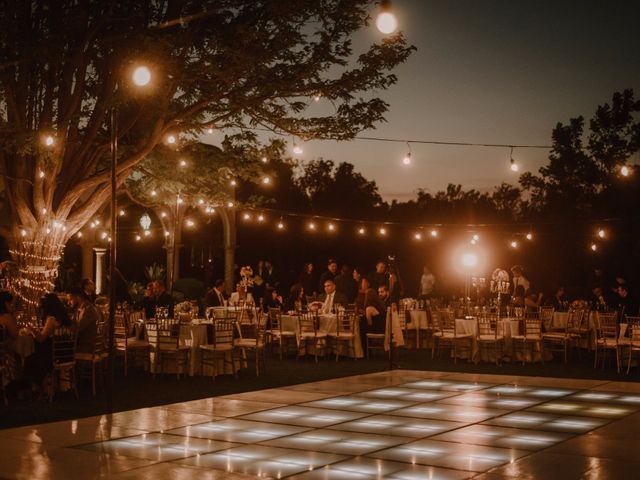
x=41 y=174
x=417 y=236
x=92 y=224
x=316 y=97
x=79 y=235
x=145 y=221
x=331 y=227
x=280 y=225
x=147 y=233
x=361 y=231
x=23 y=232
x=233 y=182
x=407 y=158
x=266 y=180
x=386 y=20
x=171 y=139
x=261 y=218
x=265 y=159
x=183 y=163
x=246 y=216
x=602 y=233
x=594 y=247
x=514 y=244
x=153 y=193
x=529 y=236
x=48 y=230
x=44 y=211
x=200 y=201
x=138 y=238
x=179 y=201
x=190 y=223
x=297 y=149
x=104 y=235
x=625 y=170
x=163 y=214
x=311 y=226
x=230 y=204
x=97 y=221
x=141 y=76
x=382 y=231
x=209 y=130
x=109 y=239
x=434 y=233
x=166 y=234
x=122 y=213
x=48 y=140
x=513 y=165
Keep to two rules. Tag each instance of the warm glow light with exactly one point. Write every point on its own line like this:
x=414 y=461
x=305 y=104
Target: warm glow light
x=230 y=204
x=145 y=221
x=594 y=247
x=317 y=96
x=153 y=193
x=122 y=213
x=93 y=225
x=602 y=233
x=297 y=149
x=382 y=231
x=147 y=233
x=41 y=174
x=265 y=159
x=142 y=76
x=529 y=236
x=209 y=131
x=48 y=230
x=171 y=139
x=261 y=218
x=361 y=231
x=209 y=210
x=434 y=233
x=407 y=159
x=166 y=234
x=179 y=201
x=163 y=214
x=417 y=236
x=23 y=232
x=312 y=226
x=266 y=180
x=138 y=238
x=233 y=183
x=514 y=244
x=79 y=234
x=514 y=166
x=387 y=23
x=469 y=259
x=625 y=171
x=49 y=140
x=331 y=227
x=183 y=163
x=190 y=223
x=44 y=211
x=246 y=216
x=280 y=225
x=104 y=235
x=97 y=221
x=200 y=201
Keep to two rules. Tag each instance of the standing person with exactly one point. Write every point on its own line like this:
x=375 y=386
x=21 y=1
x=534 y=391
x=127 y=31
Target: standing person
x=307 y=280
x=396 y=287
x=162 y=298
x=271 y=279
x=260 y=279
x=271 y=299
x=328 y=274
x=345 y=284
x=427 y=284
x=519 y=279
x=89 y=289
x=86 y=317
x=380 y=276
x=557 y=301
x=216 y=296
x=362 y=294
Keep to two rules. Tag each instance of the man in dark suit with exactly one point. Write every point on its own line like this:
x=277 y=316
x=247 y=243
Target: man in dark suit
x=329 y=274
x=330 y=298
x=162 y=298
x=215 y=297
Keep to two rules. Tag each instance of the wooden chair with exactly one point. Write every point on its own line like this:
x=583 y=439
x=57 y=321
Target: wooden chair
x=164 y=338
x=490 y=335
x=63 y=349
x=531 y=337
x=277 y=334
x=308 y=334
x=130 y=345
x=607 y=338
x=633 y=327
x=345 y=333
x=96 y=359
x=445 y=333
x=255 y=342
x=561 y=340
x=221 y=351
x=546 y=317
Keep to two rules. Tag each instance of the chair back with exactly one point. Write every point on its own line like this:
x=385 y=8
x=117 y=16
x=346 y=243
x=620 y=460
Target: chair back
x=223 y=332
x=275 y=318
x=634 y=332
x=488 y=325
x=100 y=341
x=135 y=316
x=546 y=316
x=345 y=322
x=606 y=325
x=532 y=328
x=447 y=320
x=120 y=329
x=308 y=322
x=164 y=333
x=574 y=319
x=63 y=343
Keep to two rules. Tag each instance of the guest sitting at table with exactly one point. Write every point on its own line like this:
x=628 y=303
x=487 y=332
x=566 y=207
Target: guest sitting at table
x=241 y=296
x=558 y=299
x=532 y=301
x=271 y=299
x=89 y=289
x=375 y=316
x=161 y=299
x=148 y=303
x=597 y=300
x=297 y=300
x=216 y=296
x=39 y=364
x=625 y=302
x=86 y=317
x=330 y=298
x=383 y=294
x=7 y=315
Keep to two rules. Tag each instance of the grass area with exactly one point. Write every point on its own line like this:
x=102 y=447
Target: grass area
x=139 y=390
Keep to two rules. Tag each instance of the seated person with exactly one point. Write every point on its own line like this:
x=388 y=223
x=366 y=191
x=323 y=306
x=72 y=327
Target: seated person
x=216 y=296
x=385 y=297
x=331 y=298
x=558 y=299
x=241 y=295
x=375 y=316
x=297 y=300
x=271 y=299
x=162 y=298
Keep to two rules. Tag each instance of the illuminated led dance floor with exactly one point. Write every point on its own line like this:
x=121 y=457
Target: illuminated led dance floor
x=391 y=425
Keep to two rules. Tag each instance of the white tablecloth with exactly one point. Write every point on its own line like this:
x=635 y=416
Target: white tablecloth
x=327 y=324
x=560 y=321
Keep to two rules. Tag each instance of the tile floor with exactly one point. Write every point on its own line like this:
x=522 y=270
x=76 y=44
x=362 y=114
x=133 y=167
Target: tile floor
x=388 y=425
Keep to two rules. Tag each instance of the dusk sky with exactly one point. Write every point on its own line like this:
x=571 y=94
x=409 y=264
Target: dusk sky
x=490 y=71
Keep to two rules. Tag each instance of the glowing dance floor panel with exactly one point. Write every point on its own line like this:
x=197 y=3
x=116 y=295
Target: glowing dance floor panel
x=400 y=425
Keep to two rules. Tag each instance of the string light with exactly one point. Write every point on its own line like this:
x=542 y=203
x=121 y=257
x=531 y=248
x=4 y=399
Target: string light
x=434 y=233
x=417 y=236
x=97 y=221
x=179 y=201
x=138 y=238
x=141 y=76
x=261 y=218
x=166 y=234
x=48 y=230
x=382 y=231
x=514 y=244
x=79 y=234
x=43 y=211
x=209 y=210
x=41 y=174
x=171 y=139
x=23 y=232
x=625 y=171
x=200 y=201
x=280 y=225
x=297 y=149
x=190 y=223
x=183 y=163
x=602 y=233
x=104 y=235
x=361 y=231
x=265 y=160
x=230 y=204
x=266 y=180
x=147 y=233
x=331 y=227
x=529 y=236
x=514 y=166
x=209 y=131
x=386 y=21
x=246 y=216
x=407 y=158
x=594 y=247
x=316 y=97
x=311 y=226
x=163 y=214
x=153 y=193
x=92 y=224
x=233 y=183
x=48 y=140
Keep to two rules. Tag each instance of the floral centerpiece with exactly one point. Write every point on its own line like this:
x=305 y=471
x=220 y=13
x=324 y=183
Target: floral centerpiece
x=246 y=277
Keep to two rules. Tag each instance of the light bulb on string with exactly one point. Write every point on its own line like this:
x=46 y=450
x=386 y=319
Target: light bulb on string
x=233 y=183
x=602 y=233
x=407 y=158
x=41 y=174
x=514 y=244
x=147 y=233
x=280 y=225
x=316 y=97
x=361 y=231
x=529 y=236
x=48 y=140
x=311 y=226
x=382 y=231
x=153 y=193
x=141 y=76
x=183 y=163
x=625 y=170
x=594 y=247
x=122 y=213
x=48 y=230
x=230 y=204
x=163 y=214
x=190 y=223
x=104 y=235
x=79 y=234
x=23 y=232
x=513 y=165
x=417 y=236
x=386 y=21
x=265 y=159
x=434 y=233
x=200 y=201
x=171 y=139
x=331 y=227
x=43 y=211
x=261 y=218
x=209 y=130
x=166 y=233
x=266 y=180
x=179 y=201
x=246 y=216
x=138 y=238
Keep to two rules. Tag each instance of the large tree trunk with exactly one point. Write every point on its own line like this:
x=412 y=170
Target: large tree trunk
x=172 y=222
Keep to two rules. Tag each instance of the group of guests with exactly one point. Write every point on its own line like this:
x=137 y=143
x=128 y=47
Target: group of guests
x=78 y=311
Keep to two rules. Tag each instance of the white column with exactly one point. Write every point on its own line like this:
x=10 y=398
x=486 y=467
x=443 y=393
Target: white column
x=100 y=253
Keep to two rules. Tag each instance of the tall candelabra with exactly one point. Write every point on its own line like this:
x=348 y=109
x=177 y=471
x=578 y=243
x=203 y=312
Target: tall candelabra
x=500 y=286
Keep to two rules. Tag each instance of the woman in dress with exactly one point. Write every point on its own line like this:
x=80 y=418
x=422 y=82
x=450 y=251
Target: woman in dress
x=297 y=300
